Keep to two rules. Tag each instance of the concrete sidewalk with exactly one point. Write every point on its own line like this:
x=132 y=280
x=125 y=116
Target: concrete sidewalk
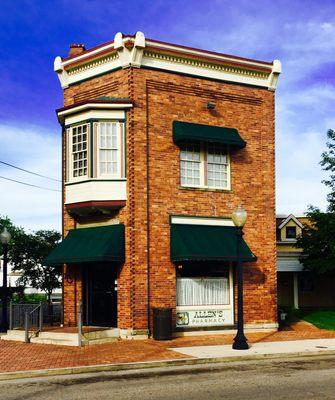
x=197 y=358
x=21 y=359
x=261 y=348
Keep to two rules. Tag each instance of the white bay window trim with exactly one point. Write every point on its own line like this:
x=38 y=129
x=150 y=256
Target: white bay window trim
x=109 y=151
x=211 y=163
x=78 y=141
x=104 y=156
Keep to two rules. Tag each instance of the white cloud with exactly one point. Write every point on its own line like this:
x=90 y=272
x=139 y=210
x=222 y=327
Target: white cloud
x=39 y=150
x=299 y=174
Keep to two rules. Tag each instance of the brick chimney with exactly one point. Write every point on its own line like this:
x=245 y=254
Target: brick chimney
x=76 y=49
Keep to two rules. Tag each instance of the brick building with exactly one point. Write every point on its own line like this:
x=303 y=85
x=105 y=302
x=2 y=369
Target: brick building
x=161 y=142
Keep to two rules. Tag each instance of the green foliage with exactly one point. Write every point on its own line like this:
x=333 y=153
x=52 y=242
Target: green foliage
x=328 y=164
x=318 y=242
x=321 y=319
x=29 y=298
x=26 y=253
x=318 y=238
x=17 y=233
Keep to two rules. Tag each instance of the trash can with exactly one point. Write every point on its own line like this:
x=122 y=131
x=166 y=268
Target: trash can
x=162 y=323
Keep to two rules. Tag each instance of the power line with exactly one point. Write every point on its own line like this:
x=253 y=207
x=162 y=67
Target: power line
x=29 y=184
x=29 y=172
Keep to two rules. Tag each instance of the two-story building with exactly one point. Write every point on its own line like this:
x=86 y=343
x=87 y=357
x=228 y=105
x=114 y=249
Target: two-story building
x=299 y=288
x=161 y=142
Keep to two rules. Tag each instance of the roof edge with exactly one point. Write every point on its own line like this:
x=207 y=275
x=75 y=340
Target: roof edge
x=137 y=51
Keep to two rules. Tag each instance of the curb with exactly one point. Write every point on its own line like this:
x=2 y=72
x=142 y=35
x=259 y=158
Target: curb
x=148 y=367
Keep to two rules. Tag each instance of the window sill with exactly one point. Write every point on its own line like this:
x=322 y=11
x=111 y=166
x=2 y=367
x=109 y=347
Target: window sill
x=95 y=180
x=205 y=189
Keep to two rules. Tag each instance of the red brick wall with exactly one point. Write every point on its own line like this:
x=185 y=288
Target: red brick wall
x=172 y=97
x=159 y=99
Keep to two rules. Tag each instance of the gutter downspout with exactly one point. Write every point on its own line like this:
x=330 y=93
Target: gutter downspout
x=63 y=193
x=148 y=202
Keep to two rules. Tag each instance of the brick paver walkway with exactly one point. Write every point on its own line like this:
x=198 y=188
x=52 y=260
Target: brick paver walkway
x=17 y=356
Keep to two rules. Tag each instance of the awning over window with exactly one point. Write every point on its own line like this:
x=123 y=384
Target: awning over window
x=185 y=131
x=100 y=244
x=205 y=242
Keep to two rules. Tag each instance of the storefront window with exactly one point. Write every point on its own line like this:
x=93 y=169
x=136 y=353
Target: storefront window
x=202 y=291
x=204 y=295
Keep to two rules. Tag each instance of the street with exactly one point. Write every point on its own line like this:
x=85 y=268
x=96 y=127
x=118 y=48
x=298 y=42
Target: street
x=299 y=378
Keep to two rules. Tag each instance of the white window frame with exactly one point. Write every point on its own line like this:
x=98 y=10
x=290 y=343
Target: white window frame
x=229 y=306
x=71 y=177
x=204 y=169
x=200 y=162
x=120 y=149
x=93 y=147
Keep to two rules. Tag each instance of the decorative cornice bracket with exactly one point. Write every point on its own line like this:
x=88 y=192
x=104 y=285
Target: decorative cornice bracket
x=273 y=77
x=61 y=73
x=130 y=50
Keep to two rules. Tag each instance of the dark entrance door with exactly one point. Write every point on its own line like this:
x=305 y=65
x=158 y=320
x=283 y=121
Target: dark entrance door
x=101 y=295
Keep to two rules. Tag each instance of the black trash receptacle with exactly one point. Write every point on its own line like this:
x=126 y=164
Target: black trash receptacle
x=162 y=323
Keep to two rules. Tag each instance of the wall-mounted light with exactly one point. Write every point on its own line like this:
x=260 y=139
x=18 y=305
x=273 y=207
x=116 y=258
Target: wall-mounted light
x=211 y=106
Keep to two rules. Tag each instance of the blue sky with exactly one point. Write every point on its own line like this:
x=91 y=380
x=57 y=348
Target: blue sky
x=299 y=33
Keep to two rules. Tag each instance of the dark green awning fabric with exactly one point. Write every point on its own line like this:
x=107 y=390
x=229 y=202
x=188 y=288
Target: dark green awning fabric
x=185 y=131
x=100 y=244
x=204 y=242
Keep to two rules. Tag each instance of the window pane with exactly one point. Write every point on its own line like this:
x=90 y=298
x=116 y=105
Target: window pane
x=217 y=167
x=108 y=148
x=79 y=151
x=202 y=291
x=190 y=165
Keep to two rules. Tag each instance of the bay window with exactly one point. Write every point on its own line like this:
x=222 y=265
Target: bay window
x=205 y=165
x=96 y=151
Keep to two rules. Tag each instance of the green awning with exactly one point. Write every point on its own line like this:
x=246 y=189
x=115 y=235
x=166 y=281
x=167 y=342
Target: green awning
x=205 y=242
x=100 y=244
x=186 y=132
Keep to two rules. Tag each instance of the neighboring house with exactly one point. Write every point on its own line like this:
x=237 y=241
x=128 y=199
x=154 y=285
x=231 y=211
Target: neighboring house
x=161 y=143
x=12 y=276
x=12 y=281
x=298 y=288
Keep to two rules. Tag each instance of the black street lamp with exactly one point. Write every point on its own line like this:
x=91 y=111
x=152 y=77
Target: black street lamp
x=5 y=237
x=239 y=217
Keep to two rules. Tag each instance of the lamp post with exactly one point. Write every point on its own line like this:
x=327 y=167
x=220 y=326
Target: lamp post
x=239 y=217
x=5 y=237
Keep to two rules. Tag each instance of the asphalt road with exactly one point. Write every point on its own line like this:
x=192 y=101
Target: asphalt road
x=312 y=378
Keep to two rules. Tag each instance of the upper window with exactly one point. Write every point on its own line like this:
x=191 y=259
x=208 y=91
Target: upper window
x=79 y=151
x=109 y=149
x=205 y=166
x=190 y=165
x=291 y=232
x=96 y=151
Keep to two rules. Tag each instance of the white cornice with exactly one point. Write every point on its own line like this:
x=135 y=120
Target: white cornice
x=138 y=52
x=80 y=109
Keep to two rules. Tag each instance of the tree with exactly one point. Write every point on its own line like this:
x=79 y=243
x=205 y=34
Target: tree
x=328 y=164
x=318 y=242
x=26 y=254
x=318 y=237
x=27 y=257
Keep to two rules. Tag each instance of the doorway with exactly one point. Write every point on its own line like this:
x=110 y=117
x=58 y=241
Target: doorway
x=100 y=295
